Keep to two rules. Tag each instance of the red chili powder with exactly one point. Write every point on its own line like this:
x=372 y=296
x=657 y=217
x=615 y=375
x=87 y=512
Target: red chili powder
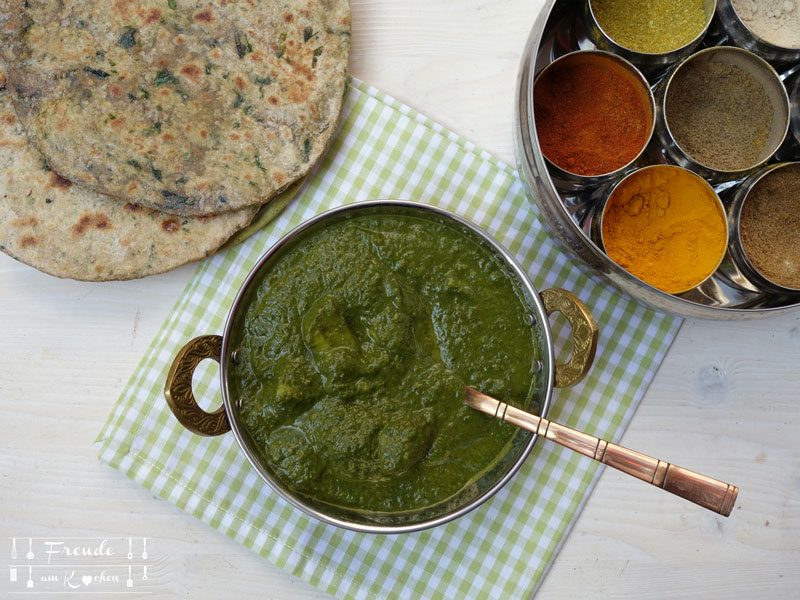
x=592 y=116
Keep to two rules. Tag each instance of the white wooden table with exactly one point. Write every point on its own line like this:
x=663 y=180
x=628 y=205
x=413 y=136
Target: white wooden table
x=726 y=400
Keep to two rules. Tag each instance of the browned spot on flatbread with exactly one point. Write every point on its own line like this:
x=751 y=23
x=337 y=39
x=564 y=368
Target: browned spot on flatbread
x=256 y=56
x=180 y=40
x=167 y=137
x=235 y=137
x=118 y=123
x=97 y=220
x=278 y=177
x=170 y=226
x=298 y=93
x=240 y=83
x=130 y=207
x=116 y=91
x=191 y=72
x=7 y=118
x=61 y=125
x=151 y=16
x=273 y=100
x=29 y=222
x=58 y=181
x=27 y=241
x=161 y=63
x=288 y=17
x=121 y=6
x=2 y=81
x=204 y=16
x=132 y=187
x=203 y=133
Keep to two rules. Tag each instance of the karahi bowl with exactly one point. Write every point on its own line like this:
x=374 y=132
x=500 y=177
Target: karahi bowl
x=229 y=416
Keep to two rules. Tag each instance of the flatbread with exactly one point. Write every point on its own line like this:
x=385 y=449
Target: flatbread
x=187 y=107
x=67 y=231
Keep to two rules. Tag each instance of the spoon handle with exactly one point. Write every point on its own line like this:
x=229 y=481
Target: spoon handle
x=712 y=494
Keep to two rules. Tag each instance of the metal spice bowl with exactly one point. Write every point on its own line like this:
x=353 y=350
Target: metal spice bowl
x=728 y=294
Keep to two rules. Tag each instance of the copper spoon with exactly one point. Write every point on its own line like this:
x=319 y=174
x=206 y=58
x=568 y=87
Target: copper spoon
x=707 y=492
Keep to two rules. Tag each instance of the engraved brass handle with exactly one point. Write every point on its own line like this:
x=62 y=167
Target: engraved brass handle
x=707 y=492
x=178 y=389
x=584 y=335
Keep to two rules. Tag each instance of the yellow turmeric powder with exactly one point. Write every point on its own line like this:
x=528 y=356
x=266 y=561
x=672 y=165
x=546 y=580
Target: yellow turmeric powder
x=666 y=226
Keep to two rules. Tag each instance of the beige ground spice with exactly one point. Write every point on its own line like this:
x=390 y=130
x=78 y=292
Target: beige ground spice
x=774 y=21
x=719 y=114
x=770 y=226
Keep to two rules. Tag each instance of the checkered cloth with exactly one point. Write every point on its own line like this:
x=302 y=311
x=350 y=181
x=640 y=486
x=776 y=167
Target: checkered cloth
x=503 y=548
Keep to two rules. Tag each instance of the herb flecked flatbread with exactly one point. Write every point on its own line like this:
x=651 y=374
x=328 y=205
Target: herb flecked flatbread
x=193 y=108
x=67 y=231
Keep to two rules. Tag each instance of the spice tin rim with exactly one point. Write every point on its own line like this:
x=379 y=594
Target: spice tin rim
x=736 y=245
x=794 y=104
x=600 y=212
x=676 y=152
x=567 y=180
x=652 y=62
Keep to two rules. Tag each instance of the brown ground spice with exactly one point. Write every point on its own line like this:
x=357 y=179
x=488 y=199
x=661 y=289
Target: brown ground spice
x=770 y=226
x=719 y=114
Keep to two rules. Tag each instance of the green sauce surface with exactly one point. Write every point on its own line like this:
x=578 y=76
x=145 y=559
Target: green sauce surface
x=355 y=350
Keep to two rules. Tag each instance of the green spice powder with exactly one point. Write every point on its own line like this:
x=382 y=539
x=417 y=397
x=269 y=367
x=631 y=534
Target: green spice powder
x=651 y=26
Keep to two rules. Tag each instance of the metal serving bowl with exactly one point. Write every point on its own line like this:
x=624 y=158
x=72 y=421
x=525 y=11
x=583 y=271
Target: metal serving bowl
x=558 y=30
x=223 y=349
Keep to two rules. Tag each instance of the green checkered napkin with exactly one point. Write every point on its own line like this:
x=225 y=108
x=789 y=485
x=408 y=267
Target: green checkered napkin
x=503 y=548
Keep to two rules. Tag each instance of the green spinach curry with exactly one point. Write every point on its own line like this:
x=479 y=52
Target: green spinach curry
x=355 y=351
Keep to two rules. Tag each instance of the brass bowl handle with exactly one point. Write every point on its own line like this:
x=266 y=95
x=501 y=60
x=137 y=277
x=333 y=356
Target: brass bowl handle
x=709 y=493
x=178 y=389
x=584 y=335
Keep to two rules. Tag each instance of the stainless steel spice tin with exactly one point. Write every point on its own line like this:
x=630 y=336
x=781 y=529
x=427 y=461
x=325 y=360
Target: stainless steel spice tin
x=761 y=72
x=651 y=188
x=651 y=63
x=731 y=24
x=770 y=242
x=570 y=181
x=559 y=29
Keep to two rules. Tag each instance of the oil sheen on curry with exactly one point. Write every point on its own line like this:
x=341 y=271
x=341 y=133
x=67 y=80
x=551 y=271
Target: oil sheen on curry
x=356 y=347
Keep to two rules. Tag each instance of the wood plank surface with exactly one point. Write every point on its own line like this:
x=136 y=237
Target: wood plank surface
x=726 y=400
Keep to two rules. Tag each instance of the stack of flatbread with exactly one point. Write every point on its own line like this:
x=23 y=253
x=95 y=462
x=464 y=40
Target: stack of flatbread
x=138 y=135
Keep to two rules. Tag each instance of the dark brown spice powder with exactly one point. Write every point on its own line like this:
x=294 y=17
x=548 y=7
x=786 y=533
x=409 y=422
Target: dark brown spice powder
x=770 y=226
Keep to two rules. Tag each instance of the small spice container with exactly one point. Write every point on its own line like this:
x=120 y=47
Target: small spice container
x=769 y=28
x=652 y=34
x=594 y=115
x=723 y=113
x=664 y=225
x=765 y=228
